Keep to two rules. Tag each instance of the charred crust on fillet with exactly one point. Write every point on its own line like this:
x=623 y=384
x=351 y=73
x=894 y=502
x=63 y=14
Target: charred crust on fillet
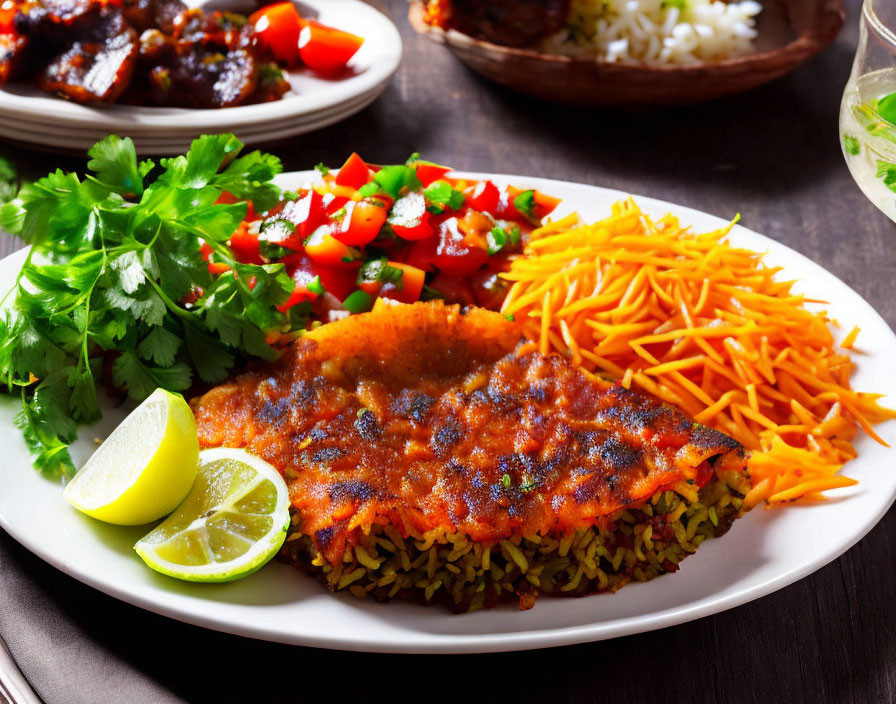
x=707 y=438
x=620 y=456
x=366 y=426
x=413 y=405
x=446 y=436
x=324 y=536
x=352 y=490
x=325 y=455
x=274 y=412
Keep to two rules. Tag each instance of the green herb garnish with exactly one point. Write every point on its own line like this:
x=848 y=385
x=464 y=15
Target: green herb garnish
x=269 y=72
x=392 y=180
x=276 y=230
x=322 y=168
x=500 y=237
x=379 y=271
x=430 y=294
x=886 y=171
x=495 y=240
x=369 y=189
x=440 y=194
x=271 y=251
x=9 y=181
x=868 y=116
x=851 y=145
x=525 y=203
x=113 y=278
x=358 y=302
x=315 y=286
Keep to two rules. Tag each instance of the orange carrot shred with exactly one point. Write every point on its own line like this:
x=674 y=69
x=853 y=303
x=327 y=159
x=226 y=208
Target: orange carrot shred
x=706 y=326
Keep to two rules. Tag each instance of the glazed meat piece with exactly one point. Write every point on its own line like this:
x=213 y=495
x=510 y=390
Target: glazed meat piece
x=422 y=428
x=219 y=29
x=147 y=52
x=507 y=22
x=206 y=78
x=143 y=52
x=153 y=14
x=13 y=56
x=50 y=17
x=210 y=61
x=272 y=84
x=98 y=66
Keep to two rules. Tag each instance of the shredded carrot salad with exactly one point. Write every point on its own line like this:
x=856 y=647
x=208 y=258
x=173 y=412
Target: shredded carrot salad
x=706 y=327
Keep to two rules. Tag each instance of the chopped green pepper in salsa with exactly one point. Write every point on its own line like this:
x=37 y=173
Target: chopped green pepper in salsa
x=390 y=232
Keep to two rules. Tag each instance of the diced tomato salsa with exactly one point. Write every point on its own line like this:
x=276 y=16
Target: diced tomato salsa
x=404 y=232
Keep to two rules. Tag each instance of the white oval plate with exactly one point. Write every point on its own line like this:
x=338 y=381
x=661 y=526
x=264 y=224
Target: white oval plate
x=315 y=101
x=763 y=552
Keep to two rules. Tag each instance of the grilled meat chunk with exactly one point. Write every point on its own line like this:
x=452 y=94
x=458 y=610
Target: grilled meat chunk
x=98 y=66
x=89 y=51
x=153 y=14
x=205 y=78
x=43 y=29
x=434 y=422
x=209 y=61
x=49 y=17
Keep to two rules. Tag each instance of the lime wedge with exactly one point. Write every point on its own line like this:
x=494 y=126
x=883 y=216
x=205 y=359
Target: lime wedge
x=234 y=521
x=144 y=469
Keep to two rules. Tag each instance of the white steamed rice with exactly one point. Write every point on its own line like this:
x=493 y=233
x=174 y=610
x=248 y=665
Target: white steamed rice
x=658 y=31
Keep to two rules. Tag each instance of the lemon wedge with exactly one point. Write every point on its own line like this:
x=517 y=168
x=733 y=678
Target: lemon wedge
x=233 y=521
x=144 y=469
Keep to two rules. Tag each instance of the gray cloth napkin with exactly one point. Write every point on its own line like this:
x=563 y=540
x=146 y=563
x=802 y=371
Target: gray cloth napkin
x=43 y=617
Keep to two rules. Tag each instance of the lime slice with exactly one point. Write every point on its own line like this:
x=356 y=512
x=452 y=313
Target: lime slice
x=234 y=521
x=144 y=469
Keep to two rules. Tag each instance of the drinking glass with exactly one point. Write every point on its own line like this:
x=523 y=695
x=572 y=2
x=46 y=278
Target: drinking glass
x=868 y=110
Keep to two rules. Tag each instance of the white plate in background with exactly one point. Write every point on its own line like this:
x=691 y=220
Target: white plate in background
x=314 y=102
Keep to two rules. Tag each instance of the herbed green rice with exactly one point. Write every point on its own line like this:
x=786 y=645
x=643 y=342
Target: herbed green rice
x=465 y=575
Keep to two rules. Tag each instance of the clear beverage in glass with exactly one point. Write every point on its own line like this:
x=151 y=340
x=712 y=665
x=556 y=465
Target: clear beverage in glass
x=868 y=110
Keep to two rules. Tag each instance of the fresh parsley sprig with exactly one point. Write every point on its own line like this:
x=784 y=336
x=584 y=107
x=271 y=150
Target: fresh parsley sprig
x=115 y=282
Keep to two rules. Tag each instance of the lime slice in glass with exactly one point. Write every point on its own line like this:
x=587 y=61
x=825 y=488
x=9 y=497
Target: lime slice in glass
x=233 y=521
x=144 y=469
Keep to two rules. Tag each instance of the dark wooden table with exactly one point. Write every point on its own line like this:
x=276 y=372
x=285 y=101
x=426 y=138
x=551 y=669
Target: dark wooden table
x=771 y=155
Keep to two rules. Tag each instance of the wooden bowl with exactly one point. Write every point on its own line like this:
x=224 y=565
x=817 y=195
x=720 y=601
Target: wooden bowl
x=790 y=33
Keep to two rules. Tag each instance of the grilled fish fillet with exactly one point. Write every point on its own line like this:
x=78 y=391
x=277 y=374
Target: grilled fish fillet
x=424 y=428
